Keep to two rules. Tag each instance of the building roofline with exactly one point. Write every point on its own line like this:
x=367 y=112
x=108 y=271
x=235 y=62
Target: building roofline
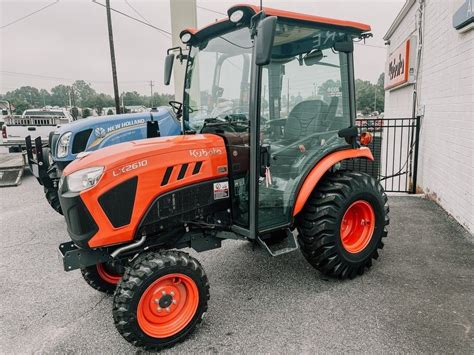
x=401 y=15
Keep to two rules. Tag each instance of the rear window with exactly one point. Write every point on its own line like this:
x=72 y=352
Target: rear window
x=45 y=113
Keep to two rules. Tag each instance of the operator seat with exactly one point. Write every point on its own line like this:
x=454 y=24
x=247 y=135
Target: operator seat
x=305 y=119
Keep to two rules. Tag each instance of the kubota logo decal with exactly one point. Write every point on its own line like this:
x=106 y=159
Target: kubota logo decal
x=129 y=167
x=199 y=153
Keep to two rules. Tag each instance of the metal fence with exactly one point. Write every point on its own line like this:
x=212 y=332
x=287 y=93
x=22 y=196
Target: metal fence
x=395 y=150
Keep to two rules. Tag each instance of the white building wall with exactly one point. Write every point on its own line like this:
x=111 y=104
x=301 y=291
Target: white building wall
x=446 y=96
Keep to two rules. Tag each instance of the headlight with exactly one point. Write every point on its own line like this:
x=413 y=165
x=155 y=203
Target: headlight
x=84 y=179
x=236 y=16
x=186 y=37
x=63 y=144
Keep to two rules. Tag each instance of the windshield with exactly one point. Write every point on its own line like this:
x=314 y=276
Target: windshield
x=218 y=79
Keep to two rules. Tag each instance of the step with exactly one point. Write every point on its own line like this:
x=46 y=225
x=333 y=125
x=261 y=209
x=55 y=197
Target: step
x=287 y=245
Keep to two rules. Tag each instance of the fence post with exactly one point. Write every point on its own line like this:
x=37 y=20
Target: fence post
x=415 y=162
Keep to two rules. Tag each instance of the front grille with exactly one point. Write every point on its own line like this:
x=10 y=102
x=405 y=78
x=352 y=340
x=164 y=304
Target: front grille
x=118 y=202
x=80 y=224
x=53 y=141
x=79 y=143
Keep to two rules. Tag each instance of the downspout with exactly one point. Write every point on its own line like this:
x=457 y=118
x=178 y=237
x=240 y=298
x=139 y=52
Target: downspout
x=414 y=138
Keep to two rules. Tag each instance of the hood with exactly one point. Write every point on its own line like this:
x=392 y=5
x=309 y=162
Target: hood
x=112 y=120
x=129 y=152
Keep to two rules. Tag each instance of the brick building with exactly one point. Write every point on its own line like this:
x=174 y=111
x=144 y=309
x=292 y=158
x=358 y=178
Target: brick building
x=430 y=72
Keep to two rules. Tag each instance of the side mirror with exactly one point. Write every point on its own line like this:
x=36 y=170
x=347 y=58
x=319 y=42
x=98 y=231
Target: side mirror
x=346 y=46
x=264 y=43
x=169 y=60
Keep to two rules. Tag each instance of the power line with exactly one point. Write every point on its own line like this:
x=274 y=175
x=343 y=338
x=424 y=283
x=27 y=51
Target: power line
x=210 y=10
x=49 y=77
x=164 y=32
x=136 y=11
x=30 y=14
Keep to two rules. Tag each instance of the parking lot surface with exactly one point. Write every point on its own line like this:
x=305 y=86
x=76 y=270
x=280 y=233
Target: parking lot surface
x=417 y=298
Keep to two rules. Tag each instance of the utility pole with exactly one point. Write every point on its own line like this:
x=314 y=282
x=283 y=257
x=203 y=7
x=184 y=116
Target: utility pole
x=69 y=95
x=151 y=93
x=288 y=97
x=112 y=57
x=375 y=98
x=73 y=98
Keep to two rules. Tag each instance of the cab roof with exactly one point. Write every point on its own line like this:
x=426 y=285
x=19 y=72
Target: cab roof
x=289 y=15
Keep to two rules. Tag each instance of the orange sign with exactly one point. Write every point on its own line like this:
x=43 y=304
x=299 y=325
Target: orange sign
x=397 y=67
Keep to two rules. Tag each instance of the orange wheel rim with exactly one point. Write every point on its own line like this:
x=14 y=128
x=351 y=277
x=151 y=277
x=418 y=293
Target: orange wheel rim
x=357 y=226
x=107 y=276
x=168 y=305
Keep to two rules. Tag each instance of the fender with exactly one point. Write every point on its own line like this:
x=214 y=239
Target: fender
x=321 y=168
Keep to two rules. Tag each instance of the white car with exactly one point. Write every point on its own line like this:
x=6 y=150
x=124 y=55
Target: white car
x=34 y=123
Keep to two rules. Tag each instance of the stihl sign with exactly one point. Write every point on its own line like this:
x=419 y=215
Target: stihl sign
x=398 y=70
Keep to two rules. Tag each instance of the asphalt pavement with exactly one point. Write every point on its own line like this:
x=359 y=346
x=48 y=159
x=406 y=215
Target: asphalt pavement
x=418 y=297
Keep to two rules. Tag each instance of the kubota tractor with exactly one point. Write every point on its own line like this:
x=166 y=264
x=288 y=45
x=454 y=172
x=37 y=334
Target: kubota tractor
x=268 y=118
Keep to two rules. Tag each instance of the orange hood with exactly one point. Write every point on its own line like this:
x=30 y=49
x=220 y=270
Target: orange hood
x=119 y=154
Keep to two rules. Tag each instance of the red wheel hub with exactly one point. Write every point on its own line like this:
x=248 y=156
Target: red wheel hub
x=357 y=226
x=107 y=275
x=168 y=305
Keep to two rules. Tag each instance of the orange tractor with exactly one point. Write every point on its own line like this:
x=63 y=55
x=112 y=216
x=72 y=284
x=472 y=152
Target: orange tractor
x=268 y=119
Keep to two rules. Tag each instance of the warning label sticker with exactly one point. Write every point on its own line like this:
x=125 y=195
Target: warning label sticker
x=221 y=190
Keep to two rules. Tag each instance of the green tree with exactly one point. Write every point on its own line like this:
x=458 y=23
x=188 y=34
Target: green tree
x=45 y=97
x=329 y=89
x=60 y=95
x=370 y=97
x=99 y=101
x=86 y=112
x=24 y=97
x=160 y=99
x=133 y=98
x=83 y=93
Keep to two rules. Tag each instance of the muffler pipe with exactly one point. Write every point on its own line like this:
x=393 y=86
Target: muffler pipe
x=128 y=247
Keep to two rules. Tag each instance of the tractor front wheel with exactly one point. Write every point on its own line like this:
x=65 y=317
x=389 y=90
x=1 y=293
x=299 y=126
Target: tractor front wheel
x=342 y=224
x=103 y=277
x=161 y=299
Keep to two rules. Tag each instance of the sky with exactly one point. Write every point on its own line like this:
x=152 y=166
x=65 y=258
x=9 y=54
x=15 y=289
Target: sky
x=69 y=40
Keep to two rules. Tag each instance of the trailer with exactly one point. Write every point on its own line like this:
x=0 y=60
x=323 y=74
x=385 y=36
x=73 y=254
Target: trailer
x=11 y=168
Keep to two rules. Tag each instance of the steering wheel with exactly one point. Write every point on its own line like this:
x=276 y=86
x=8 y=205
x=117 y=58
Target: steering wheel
x=176 y=106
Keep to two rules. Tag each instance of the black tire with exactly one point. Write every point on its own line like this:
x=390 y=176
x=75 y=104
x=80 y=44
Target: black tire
x=319 y=224
x=103 y=277
x=53 y=199
x=136 y=282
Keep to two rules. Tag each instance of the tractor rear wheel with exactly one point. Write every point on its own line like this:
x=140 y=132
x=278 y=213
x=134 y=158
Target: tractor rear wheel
x=161 y=299
x=342 y=224
x=103 y=277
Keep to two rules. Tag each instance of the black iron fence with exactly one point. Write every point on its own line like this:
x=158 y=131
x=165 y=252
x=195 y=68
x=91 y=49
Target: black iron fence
x=395 y=149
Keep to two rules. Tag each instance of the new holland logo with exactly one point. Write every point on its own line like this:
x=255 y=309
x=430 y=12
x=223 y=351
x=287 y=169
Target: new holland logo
x=99 y=132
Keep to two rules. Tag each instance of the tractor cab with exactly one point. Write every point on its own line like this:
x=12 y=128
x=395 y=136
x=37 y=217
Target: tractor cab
x=279 y=88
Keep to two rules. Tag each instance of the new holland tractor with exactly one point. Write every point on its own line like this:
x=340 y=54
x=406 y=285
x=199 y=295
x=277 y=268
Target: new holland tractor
x=268 y=117
x=77 y=138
